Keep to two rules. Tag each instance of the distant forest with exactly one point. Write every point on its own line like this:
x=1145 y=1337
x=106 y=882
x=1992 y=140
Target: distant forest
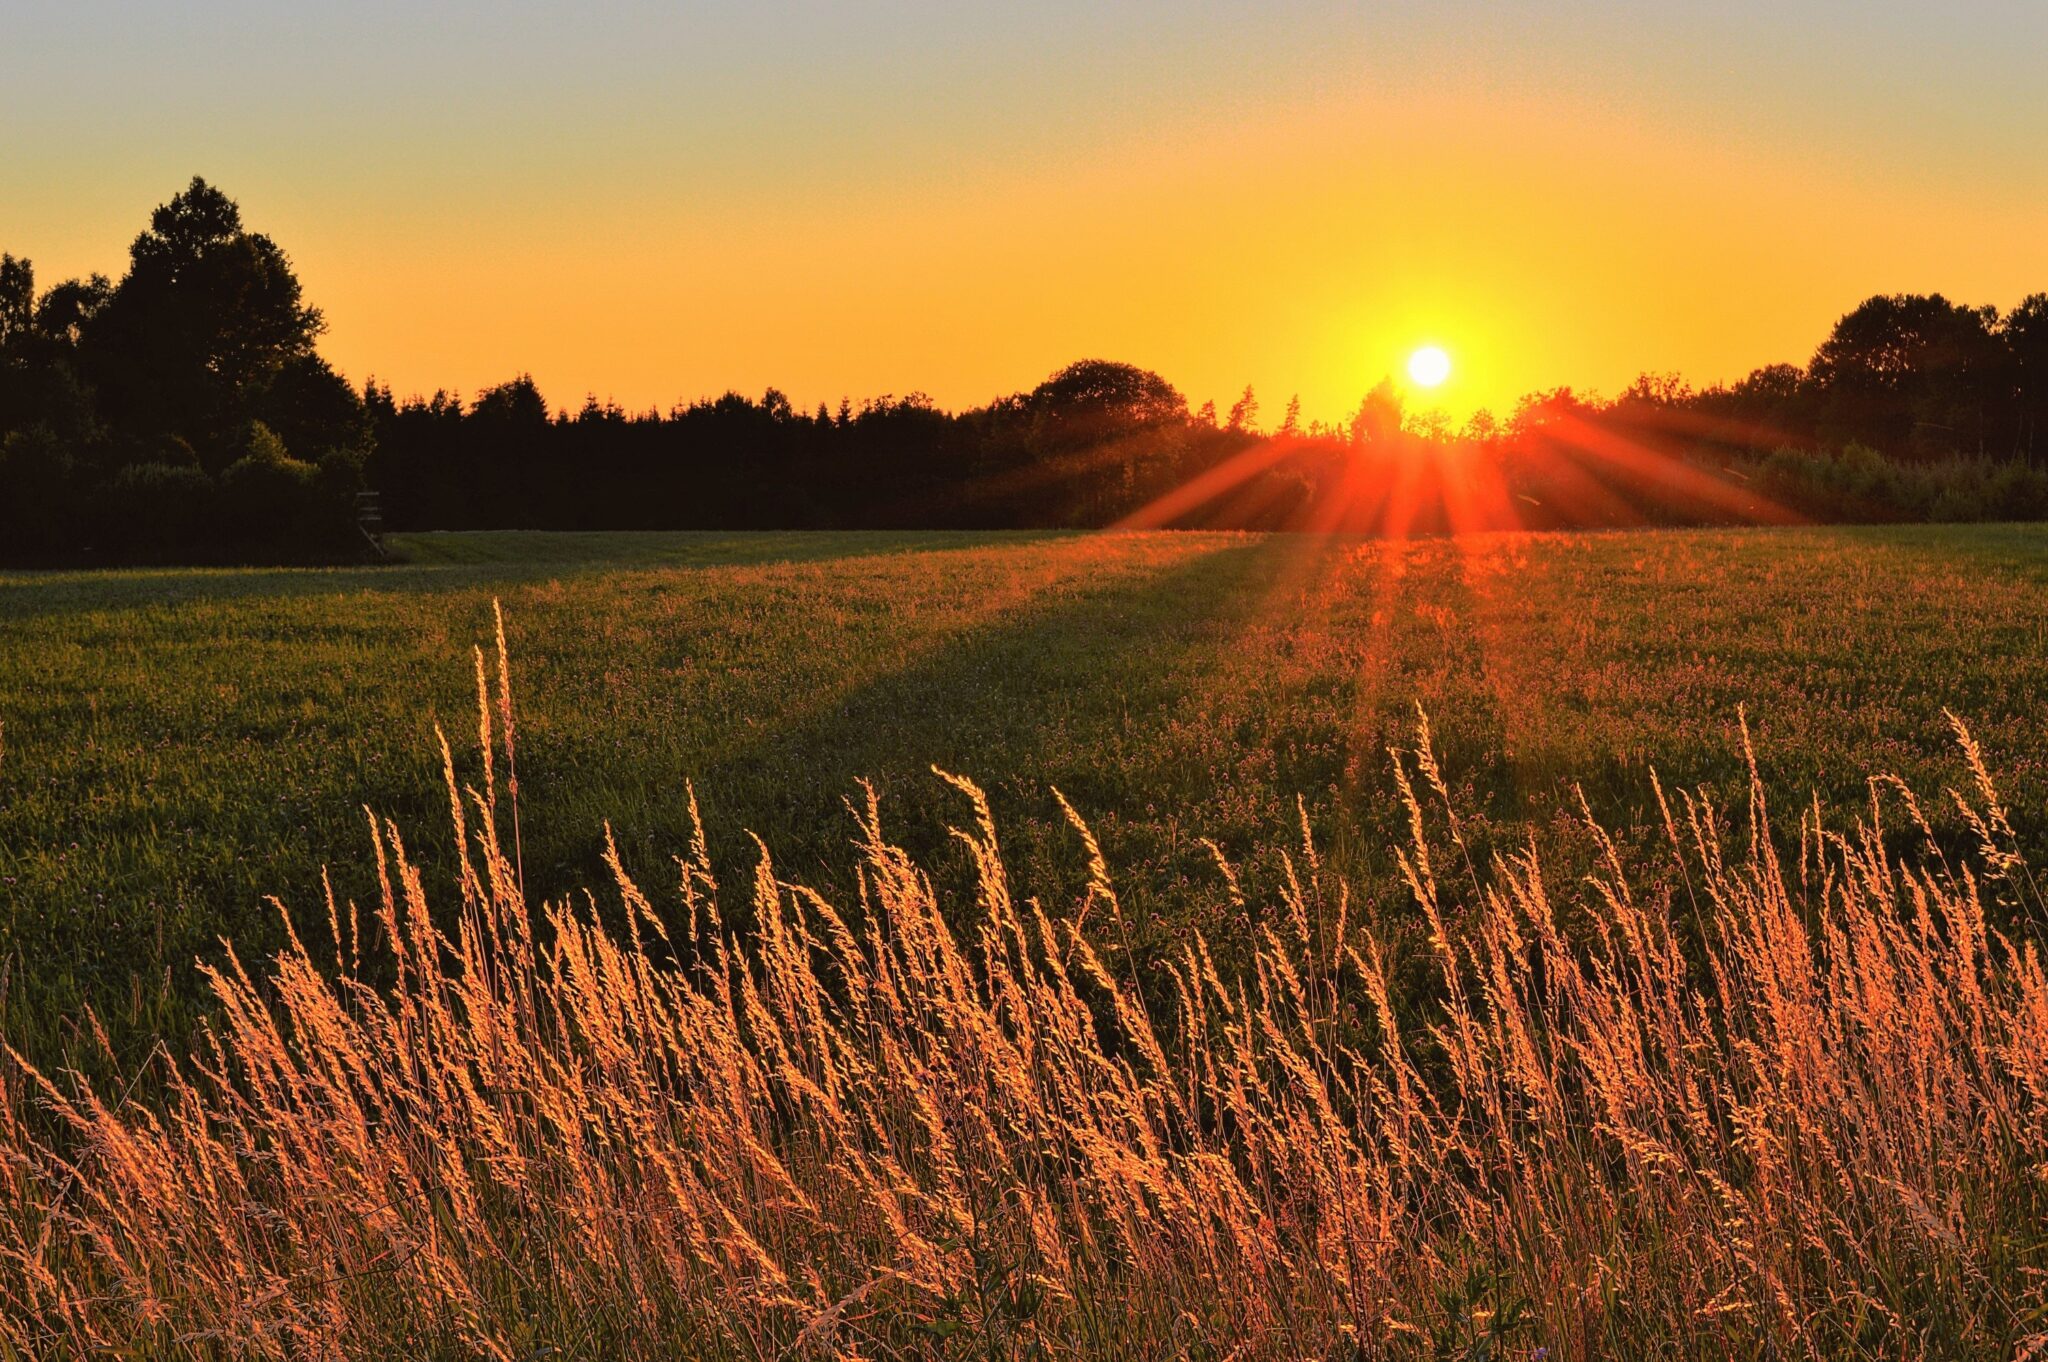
x=184 y=414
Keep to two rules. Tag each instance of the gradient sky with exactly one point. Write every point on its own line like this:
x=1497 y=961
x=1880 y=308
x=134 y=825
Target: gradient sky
x=657 y=201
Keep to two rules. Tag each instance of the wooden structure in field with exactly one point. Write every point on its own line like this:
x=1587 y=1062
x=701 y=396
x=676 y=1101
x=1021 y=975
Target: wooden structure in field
x=370 y=520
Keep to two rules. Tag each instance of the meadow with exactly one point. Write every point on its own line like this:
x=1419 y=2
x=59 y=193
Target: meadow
x=176 y=745
x=1173 y=946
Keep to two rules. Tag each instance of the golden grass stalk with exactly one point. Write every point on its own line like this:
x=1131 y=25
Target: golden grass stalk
x=1693 y=1112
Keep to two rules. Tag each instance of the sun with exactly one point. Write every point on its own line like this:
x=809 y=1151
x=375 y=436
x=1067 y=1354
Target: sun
x=1429 y=366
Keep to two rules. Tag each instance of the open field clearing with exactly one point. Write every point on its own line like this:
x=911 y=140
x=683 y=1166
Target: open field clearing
x=1770 y=1095
x=178 y=744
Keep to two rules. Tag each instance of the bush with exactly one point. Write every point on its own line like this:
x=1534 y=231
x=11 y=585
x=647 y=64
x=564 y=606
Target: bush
x=2019 y=491
x=280 y=509
x=39 y=496
x=1860 y=483
x=160 y=513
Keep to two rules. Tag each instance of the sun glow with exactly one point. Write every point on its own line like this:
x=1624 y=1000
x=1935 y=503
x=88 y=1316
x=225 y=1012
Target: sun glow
x=1429 y=366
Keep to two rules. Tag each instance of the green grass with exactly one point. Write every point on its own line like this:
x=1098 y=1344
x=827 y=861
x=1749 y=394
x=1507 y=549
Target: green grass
x=179 y=744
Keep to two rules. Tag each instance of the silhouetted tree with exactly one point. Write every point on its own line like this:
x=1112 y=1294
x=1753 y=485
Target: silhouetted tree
x=1911 y=372
x=510 y=407
x=2025 y=333
x=1378 y=418
x=1537 y=412
x=1657 y=390
x=1290 y=424
x=1481 y=428
x=122 y=407
x=17 y=300
x=1094 y=399
x=40 y=383
x=204 y=322
x=314 y=411
x=1244 y=412
x=1772 y=383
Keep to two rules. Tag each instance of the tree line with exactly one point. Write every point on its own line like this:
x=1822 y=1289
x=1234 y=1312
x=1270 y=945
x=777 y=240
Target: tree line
x=183 y=414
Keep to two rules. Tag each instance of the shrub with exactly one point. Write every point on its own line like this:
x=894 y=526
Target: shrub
x=277 y=508
x=39 y=496
x=160 y=513
x=1859 y=483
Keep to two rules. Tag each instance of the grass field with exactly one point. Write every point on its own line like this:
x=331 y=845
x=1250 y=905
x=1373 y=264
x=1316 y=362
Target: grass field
x=178 y=744
x=1448 y=1074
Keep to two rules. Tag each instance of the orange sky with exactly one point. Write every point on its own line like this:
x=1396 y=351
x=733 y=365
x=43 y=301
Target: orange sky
x=1291 y=196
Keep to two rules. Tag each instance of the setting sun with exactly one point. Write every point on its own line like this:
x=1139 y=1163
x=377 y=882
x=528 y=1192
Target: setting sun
x=1429 y=366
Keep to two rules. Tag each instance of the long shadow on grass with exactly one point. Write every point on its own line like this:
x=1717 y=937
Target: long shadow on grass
x=1079 y=692
x=117 y=868
x=505 y=559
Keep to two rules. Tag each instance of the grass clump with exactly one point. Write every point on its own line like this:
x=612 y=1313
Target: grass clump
x=1769 y=1097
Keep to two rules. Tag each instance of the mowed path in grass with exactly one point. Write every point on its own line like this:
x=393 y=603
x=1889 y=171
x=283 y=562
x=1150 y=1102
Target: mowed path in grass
x=179 y=744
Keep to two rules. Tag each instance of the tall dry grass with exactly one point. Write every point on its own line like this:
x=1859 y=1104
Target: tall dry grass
x=1752 y=1102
